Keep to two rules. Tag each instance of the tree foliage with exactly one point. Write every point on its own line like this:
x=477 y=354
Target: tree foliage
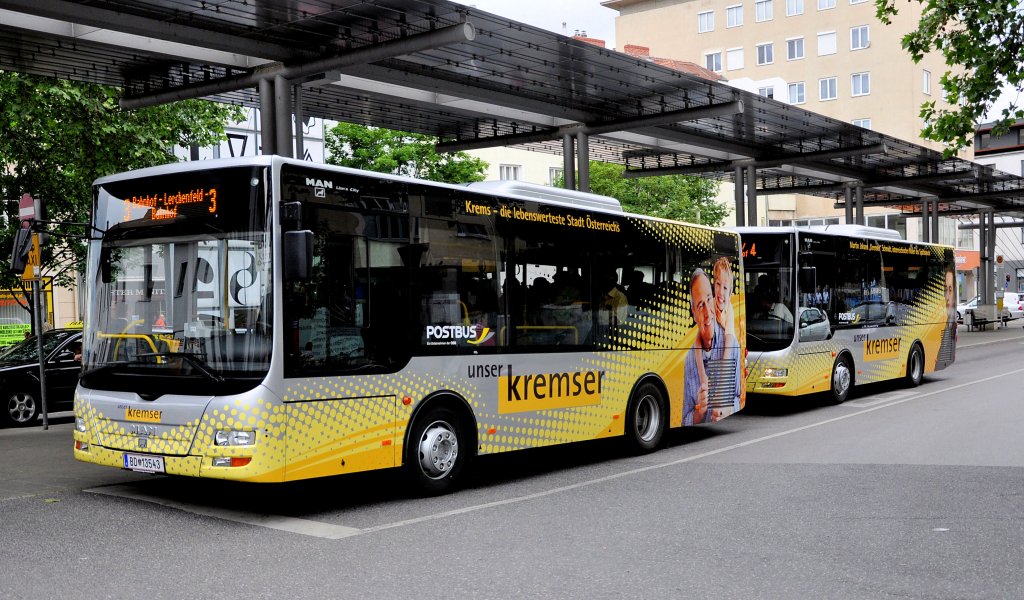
x=676 y=197
x=400 y=153
x=56 y=137
x=985 y=40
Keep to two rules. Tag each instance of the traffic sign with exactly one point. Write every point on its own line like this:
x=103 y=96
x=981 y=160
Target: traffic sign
x=32 y=264
x=26 y=209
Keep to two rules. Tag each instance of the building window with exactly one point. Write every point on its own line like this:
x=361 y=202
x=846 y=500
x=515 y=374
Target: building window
x=555 y=174
x=827 y=89
x=510 y=172
x=763 y=10
x=865 y=123
x=857 y=1
x=794 y=7
x=705 y=21
x=861 y=84
x=766 y=92
x=826 y=43
x=713 y=62
x=926 y=82
x=797 y=93
x=765 y=54
x=826 y=4
x=734 y=59
x=1022 y=173
x=795 y=48
x=734 y=15
x=860 y=37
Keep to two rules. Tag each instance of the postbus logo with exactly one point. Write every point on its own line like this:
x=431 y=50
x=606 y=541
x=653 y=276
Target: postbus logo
x=451 y=335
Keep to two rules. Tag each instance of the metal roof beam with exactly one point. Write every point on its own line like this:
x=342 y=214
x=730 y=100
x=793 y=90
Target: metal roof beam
x=597 y=128
x=453 y=34
x=808 y=159
x=823 y=188
x=1018 y=193
x=997 y=225
x=100 y=18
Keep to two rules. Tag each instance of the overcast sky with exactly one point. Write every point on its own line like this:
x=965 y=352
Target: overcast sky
x=583 y=15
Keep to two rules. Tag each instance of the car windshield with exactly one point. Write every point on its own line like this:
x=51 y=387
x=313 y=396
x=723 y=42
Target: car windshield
x=28 y=349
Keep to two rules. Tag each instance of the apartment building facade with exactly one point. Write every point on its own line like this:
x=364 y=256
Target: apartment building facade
x=832 y=57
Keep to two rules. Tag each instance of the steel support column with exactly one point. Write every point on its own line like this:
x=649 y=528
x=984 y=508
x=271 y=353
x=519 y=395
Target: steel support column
x=267 y=129
x=848 y=205
x=300 y=137
x=984 y=265
x=568 y=162
x=752 y=196
x=283 y=116
x=991 y=239
x=926 y=207
x=859 y=194
x=935 y=220
x=583 y=160
x=738 y=195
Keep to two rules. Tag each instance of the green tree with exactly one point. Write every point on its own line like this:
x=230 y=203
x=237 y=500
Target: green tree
x=984 y=41
x=400 y=153
x=677 y=197
x=57 y=136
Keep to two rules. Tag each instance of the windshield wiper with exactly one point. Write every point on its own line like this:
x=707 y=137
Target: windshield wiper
x=192 y=359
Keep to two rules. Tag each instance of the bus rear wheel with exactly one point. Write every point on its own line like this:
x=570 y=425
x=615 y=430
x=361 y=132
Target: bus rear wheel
x=842 y=379
x=646 y=419
x=437 y=451
x=915 y=366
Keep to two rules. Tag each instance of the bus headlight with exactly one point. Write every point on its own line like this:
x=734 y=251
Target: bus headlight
x=775 y=373
x=79 y=424
x=234 y=438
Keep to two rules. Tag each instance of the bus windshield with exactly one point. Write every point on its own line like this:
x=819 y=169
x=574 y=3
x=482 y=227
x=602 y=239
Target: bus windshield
x=185 y=295
x=768 y=268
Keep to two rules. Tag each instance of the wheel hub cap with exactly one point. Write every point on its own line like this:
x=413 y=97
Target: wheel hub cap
x=438 y=449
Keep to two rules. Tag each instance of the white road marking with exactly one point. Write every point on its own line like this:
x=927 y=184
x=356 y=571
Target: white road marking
x=289 y=524
x=329 y=531
x=882 y=399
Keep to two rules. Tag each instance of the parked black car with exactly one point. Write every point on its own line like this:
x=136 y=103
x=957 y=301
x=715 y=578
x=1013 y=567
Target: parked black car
x=19 y=376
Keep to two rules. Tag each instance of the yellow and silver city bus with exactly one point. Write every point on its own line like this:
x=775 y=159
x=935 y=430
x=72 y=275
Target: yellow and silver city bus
x=833 y=307
x=268 y=320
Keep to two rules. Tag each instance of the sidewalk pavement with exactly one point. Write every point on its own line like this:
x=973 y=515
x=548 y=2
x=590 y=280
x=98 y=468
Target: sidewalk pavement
x=1013 y=330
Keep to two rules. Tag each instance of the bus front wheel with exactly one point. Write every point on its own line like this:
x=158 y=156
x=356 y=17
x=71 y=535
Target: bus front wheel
x=437 y=451
x=915 y=366
x=842 y=379
x=646 y=419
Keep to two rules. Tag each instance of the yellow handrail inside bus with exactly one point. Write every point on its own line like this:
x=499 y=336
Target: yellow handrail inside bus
x=124 y=335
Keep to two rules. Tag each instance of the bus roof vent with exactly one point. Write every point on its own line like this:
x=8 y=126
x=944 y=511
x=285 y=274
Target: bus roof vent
x=547 y=193
x=858 y=231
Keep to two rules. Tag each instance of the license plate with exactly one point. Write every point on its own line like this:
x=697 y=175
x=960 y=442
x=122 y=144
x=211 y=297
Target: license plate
x=144 y=463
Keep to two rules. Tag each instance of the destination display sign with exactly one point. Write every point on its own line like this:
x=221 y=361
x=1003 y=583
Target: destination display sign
x=170 y=204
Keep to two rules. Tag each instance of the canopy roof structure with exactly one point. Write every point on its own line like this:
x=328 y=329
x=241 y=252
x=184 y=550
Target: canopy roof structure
x=475 y=79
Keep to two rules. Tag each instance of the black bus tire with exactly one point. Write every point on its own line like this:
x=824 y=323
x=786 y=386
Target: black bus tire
x=915 y=365
x=438 y=450
x=646 y=419
x=842 y=379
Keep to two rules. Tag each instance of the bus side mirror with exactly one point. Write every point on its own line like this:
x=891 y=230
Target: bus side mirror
x=297 y=255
